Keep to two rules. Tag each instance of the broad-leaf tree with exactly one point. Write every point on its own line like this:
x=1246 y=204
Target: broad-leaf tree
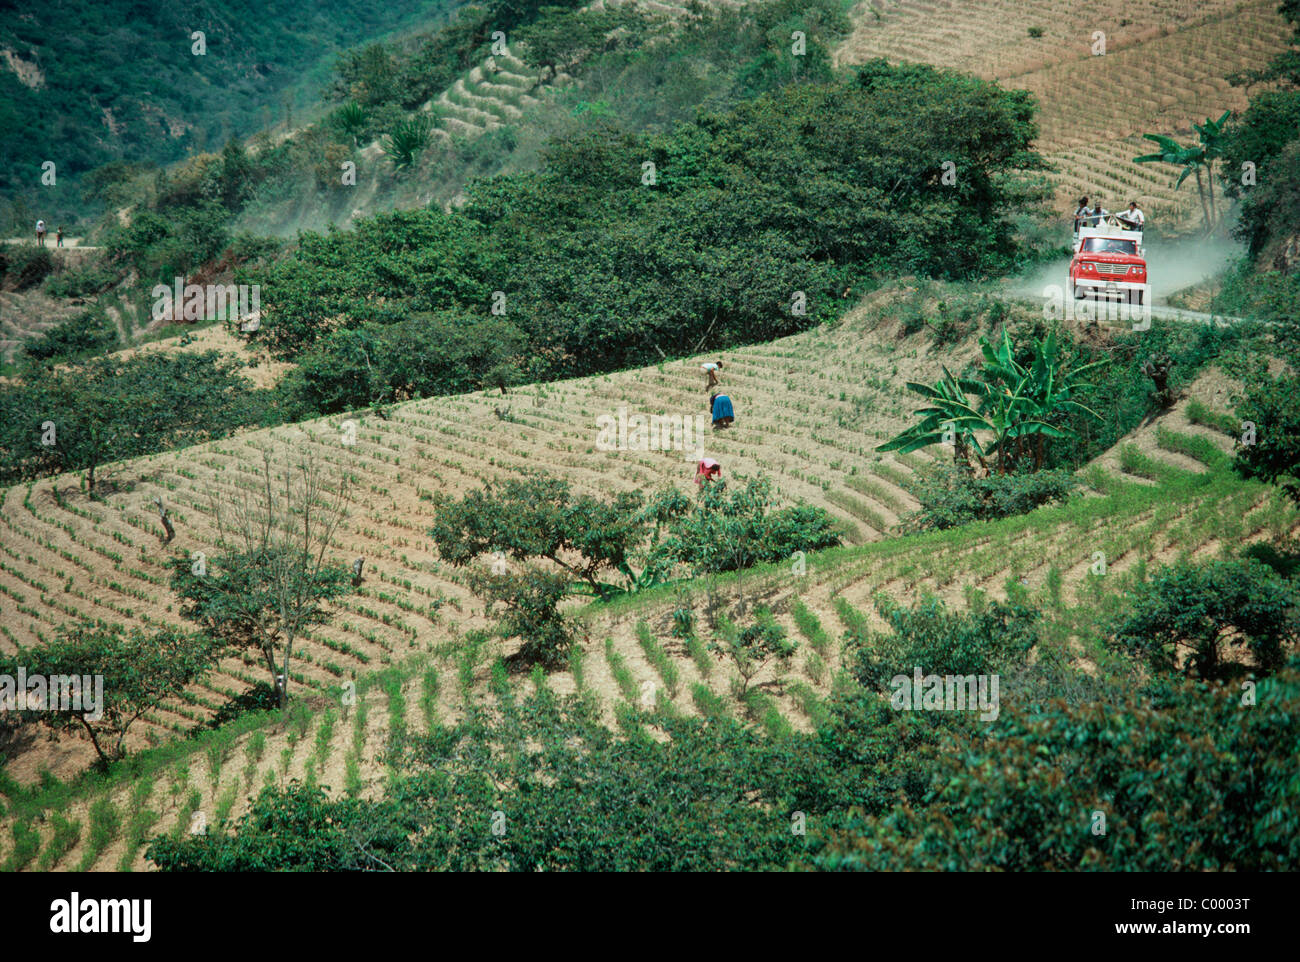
x=139 y=672
x=272 y=573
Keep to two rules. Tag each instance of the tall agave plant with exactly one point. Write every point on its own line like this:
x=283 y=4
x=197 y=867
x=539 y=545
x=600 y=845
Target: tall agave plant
x=351 y=119
x=408 y=138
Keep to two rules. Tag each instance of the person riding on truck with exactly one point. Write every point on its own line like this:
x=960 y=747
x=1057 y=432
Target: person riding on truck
x=1080 y=213
x=1133 y=218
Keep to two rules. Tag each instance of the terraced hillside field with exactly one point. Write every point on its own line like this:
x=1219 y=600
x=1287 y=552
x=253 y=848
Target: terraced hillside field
x=810 y=410
x=1163 y=68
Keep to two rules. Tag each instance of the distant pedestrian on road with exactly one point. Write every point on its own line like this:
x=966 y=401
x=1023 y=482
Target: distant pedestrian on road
x=58 y=237
x=711 y=369
x=40 y=233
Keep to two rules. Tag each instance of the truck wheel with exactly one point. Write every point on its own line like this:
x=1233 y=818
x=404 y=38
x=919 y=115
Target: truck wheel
x=1080 y=293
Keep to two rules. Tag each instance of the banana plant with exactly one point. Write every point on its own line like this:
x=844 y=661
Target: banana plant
x=1016 y=406
x=950 y=417
x=1023 y=402
x=1193 y=159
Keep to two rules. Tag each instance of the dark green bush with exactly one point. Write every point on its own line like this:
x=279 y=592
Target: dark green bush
x=1191 y=779
x=982 y=641
x=735 y=524
x=530 y=599
x=90 y=278
x=1214 y=615
x=950 y=497
x=23 y=266
x=89 y=333
x=1273 y=405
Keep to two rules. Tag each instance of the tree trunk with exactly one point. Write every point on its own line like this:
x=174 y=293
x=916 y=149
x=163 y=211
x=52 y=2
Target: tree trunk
x=103 y=759
x=1200 y=189
x=1209 y=176
x=284 y=685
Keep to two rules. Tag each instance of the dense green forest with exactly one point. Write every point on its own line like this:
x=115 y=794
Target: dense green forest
x=119 y=81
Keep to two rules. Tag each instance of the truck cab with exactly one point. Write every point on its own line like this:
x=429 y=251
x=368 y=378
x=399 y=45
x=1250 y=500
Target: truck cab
x=1109 y=261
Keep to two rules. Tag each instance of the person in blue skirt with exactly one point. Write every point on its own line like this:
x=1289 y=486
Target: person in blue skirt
x=723 y=414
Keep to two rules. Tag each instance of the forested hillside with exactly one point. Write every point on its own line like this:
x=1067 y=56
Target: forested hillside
x=86 y=84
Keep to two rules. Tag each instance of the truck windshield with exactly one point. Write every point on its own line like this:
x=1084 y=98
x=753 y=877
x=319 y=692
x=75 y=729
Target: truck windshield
x=1108 y=245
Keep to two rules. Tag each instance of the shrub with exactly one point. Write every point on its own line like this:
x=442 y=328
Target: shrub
x=89 y=333
x=950 y=497
x=419 y=356
x=1209 y=613
x=982 y=641
x=1190 y=780
x=298 y=827
x=23 y=266
x=1273 y=404
x=733 y=525
x=756 y=644
x=90 y=278
x=531 y=601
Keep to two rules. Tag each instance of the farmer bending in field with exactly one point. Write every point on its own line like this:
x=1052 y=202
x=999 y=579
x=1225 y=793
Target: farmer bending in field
x=723 y=414
x=711 y=369
x=707 y=471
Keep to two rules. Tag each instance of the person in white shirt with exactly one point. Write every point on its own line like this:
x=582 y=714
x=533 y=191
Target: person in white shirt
x=1133 y=217
x=711 y=369
x=40 y=233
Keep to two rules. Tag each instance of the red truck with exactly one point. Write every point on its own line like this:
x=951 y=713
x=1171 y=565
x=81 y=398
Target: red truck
x=1109 y=261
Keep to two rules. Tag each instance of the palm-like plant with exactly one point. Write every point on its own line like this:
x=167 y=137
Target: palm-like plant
x=406 y=141
x=1211 y=135
x=351 y=119
x=950 y=417
x=1025 y=402
x=1018 y=407
x=1193 y=159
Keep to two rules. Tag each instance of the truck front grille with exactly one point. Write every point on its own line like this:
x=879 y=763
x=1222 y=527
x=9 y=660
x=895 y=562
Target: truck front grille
x=1112 y=270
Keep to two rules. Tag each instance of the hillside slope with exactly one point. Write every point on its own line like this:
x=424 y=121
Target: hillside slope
x=1163 y=69
x=86 y=84
x=810 y=410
